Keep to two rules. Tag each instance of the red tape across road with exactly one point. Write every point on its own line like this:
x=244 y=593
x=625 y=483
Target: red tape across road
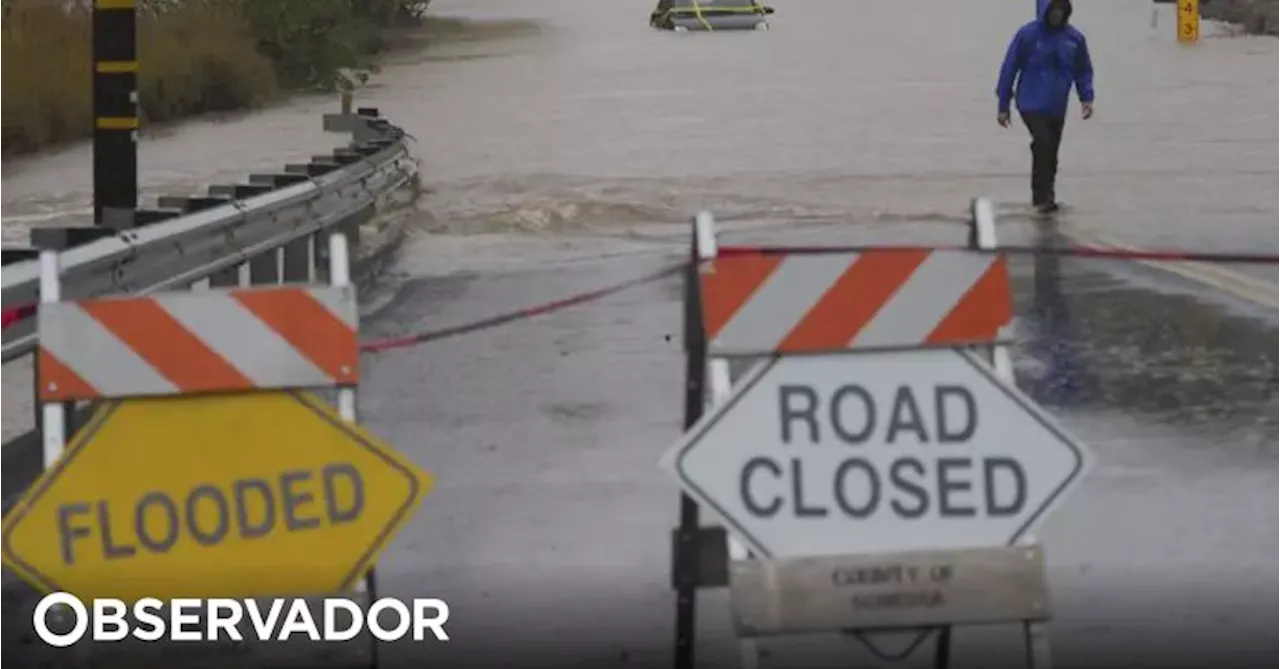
x=14 y=315
x=528 y=312
x=1077 y=251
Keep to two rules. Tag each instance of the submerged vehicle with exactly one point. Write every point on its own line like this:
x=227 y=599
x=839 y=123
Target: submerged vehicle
x=683 y=15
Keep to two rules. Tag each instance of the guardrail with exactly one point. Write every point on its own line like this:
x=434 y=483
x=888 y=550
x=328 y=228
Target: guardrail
x=269 y=230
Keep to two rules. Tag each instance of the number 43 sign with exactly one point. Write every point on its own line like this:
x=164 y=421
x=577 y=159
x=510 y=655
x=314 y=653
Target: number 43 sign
x=1188 y=20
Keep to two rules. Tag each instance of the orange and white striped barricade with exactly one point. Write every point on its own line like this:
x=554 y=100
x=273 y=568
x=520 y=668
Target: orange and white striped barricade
x=209 y=468
x=852 y=442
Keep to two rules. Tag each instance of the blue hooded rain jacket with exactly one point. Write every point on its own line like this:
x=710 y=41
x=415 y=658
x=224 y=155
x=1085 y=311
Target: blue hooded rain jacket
x=1043 y=63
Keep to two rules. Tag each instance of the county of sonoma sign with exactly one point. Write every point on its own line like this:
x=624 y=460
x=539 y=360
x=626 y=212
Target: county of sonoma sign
x=876 y=452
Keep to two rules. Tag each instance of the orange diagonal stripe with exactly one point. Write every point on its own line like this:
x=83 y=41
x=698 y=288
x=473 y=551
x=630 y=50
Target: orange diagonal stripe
x=728 y=283
x=981 y=311
x=58 y=382
x=158 y=338
x=309 y=327
x=850 y=303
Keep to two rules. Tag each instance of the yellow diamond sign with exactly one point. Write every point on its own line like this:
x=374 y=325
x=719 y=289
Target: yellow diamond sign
x=244 y=495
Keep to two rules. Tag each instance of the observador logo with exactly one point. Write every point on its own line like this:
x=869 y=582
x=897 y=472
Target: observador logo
x=216 y=619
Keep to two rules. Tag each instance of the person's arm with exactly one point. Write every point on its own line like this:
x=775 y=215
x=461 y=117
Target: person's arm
x=1084 y=72
x=1009 y=72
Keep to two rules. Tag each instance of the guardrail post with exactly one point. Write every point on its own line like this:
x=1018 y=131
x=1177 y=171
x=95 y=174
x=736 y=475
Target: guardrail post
x=115 y=111
x=351 y=226
x=264 y=268
x=62 y=238
x=320 y=257
x=295 y=265
x=225 y=278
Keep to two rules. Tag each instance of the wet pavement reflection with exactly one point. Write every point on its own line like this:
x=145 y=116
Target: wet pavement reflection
x=1103 y=340
x=1066 y=379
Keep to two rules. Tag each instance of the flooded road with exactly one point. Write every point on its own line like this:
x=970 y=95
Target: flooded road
x=561 y=114
x=550 y=526
x=563 y=145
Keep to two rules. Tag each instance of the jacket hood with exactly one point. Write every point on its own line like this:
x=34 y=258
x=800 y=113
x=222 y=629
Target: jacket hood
x=1042 y=9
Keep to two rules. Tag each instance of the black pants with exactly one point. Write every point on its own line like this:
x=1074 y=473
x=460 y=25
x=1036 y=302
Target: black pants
x=1046 y=136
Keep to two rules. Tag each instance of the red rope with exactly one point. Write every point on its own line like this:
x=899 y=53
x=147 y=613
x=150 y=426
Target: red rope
x=1079 y=251
x=527 y=312
x=11 y=316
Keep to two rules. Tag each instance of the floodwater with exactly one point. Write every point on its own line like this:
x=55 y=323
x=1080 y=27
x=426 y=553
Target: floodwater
x=565 y=142
x=559 y=114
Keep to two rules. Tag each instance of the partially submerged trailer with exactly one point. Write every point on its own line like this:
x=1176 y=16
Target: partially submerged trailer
x=710 y=15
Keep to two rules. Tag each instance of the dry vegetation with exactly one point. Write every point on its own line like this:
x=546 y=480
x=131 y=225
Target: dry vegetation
x=195 y=56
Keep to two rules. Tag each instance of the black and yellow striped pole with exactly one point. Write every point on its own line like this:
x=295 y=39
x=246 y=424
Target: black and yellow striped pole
x=115 y=113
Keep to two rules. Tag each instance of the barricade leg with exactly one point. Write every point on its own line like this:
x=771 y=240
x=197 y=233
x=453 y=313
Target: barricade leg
x=340 y=275
x=720 y=385
x=1035 y=633
x=55 y=415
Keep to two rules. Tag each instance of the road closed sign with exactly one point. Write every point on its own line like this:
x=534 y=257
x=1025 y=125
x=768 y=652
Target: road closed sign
x=877 y=452
x=245 y=495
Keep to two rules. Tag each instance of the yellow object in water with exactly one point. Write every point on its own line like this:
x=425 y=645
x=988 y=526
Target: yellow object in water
x=1189 y=21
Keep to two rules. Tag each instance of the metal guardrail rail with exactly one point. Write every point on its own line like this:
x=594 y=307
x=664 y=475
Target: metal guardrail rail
x=275 y=226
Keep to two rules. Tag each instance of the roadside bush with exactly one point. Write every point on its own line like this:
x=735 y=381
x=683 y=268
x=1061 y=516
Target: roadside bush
x=198 y=57
x=44 y=75
x=195 y=56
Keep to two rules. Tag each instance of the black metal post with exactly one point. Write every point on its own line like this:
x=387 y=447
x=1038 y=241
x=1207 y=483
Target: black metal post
x=371 y=588
x=942 y=651
x=115 y=113
x=686 y=548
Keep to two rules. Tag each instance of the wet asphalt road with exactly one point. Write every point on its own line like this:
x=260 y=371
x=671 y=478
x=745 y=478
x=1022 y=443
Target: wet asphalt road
x=549 y=529
x=558 y=150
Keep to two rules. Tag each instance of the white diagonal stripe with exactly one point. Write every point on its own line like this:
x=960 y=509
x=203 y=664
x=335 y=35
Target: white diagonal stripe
x=927 y=296
x=340 y=301
x=96 y=355
x=798 y=283
x=248 y=344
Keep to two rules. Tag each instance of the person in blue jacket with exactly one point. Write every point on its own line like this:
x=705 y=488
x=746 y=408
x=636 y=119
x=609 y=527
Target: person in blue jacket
x=1046 y=57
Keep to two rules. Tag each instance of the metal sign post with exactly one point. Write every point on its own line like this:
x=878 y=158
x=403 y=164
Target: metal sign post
x=685 y=543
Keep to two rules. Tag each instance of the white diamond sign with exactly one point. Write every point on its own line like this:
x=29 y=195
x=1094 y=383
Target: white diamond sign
x=877 y=452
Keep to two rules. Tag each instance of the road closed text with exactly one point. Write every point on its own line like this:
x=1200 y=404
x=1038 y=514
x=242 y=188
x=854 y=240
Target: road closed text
x=908 y=457
x=210 y=514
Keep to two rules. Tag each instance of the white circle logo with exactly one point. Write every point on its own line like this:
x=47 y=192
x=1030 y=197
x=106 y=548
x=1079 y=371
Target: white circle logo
x=50 y=637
